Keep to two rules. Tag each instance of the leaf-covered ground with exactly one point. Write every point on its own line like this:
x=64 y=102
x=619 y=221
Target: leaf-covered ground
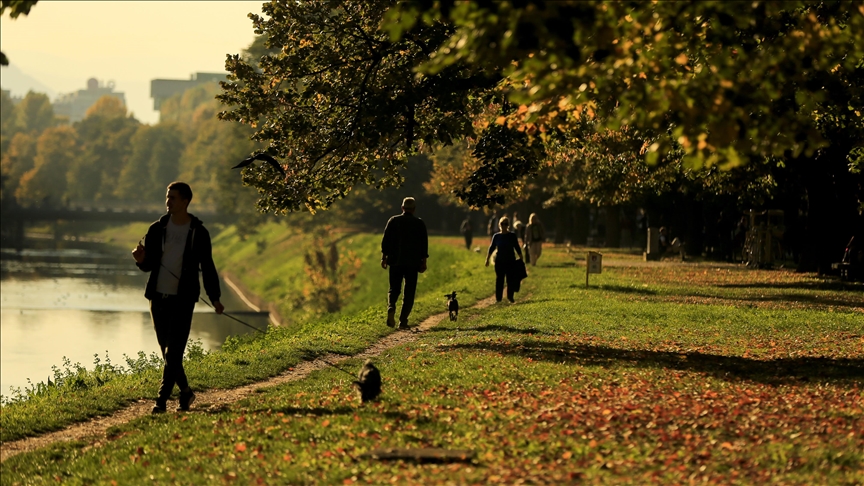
x=623 y=382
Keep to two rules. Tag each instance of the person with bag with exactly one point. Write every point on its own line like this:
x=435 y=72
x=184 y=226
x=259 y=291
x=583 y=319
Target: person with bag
x=505 y=245
x=535 y=235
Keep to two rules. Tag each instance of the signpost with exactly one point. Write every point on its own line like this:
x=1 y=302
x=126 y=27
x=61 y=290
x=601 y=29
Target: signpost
x=594 y=264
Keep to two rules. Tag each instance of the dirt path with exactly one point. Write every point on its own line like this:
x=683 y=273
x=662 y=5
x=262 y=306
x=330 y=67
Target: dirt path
x=217 y=399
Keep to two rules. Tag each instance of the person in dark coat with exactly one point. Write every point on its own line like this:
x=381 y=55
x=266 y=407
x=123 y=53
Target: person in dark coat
x=492 y=227
x=506 y=246
x=404 y=248
x=175 y=247
x=467 y=230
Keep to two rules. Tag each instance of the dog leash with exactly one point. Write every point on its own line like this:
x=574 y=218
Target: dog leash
x=202 y=299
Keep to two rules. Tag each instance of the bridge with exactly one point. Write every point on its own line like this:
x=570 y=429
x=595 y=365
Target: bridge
x=15 y=219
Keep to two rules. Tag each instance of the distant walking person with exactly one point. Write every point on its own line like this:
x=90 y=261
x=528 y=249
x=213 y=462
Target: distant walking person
x=404 y=248
x=518 y=227
x=535 y=235
x=175 y=247
x=467 y=230
x=492 y=227
x=507 y=246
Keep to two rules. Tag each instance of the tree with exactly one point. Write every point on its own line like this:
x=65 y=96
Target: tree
x=154 y=162
x=18 y=159
x=731 y=79
x=104 y=137
x=16 y=8
x=33 y=115
x=45 y=183
x=341 y=103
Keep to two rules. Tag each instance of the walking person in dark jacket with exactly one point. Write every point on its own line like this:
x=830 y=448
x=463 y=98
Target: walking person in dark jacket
x=404 y=248
x=174 y=249
x=467 y=230
x=507 y=246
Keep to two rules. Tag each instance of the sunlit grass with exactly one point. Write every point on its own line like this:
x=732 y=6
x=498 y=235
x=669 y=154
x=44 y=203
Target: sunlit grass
x=619 y=382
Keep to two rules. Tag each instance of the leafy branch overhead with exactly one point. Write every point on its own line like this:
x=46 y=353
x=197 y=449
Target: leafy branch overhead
x=341 y=103
x=343 y=92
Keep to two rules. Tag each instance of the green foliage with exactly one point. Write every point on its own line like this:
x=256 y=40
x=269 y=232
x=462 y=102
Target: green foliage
x=746 y=82
x=17 y=160
x=340 y=103
x=33 y=115
x=45 y=183
x=154 y=162
x=329 y=275
x=105 y=136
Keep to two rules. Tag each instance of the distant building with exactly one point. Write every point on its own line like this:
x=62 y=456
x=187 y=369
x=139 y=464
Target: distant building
x=162 y=89
x=75 y=105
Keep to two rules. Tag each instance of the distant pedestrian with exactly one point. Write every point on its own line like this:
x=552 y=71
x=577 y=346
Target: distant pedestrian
x=506 y=248
x=174 y=249
x=670 y=245
x=404 y=248
x=518 y=228
x=467 y=230
x=535 y=235
x=492 y=227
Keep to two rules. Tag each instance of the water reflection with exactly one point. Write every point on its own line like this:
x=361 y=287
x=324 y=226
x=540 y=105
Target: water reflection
x=77 y=303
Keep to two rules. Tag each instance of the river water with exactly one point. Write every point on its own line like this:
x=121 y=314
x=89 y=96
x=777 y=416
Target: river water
x=75 y=303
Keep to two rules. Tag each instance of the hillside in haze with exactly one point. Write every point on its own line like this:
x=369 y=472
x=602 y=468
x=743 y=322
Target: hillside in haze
x=19 y=82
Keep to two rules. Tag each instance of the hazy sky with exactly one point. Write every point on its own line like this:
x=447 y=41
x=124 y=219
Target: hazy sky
x=62 y=44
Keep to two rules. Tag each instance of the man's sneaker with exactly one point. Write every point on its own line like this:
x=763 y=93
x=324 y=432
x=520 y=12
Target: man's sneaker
x=391 y=319
x=159 y=408
x=186 y=400
x=403 y=324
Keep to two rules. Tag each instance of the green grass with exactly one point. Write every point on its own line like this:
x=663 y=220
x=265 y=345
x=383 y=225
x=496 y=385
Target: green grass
x=653 y=375
x=241 y=361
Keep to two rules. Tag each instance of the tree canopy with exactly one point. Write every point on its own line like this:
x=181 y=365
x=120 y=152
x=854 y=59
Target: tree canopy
x=344 y=93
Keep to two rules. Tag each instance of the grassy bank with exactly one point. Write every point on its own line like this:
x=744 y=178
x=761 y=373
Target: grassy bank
x=82 y=394
x=661 y=374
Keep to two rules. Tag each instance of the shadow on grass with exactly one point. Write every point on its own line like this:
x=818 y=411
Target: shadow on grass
x=623 y=289
x=818 y=285
x=492 y=328
x=558 y=265
x=843 y=300
x=723 y=367
x=343 y=410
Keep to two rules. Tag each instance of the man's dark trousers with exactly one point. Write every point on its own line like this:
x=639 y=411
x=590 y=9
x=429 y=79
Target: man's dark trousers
x=172 y=319
x=397 y=274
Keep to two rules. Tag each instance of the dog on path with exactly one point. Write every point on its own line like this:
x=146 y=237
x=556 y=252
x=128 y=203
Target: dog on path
x=452 y=305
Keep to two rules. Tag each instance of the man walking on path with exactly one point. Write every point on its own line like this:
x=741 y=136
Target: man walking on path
x=405 y=248
x=467 y=230
x=175 y=247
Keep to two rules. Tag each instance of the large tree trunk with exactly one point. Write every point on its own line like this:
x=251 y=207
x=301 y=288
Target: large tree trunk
x=560 y=223
x=581 y=221
x=613 y=226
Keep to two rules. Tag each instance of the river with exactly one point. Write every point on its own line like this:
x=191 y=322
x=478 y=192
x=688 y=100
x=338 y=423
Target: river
x=75 y=303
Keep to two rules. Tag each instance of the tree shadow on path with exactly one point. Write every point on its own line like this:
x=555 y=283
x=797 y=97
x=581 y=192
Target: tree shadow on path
x=730 y=368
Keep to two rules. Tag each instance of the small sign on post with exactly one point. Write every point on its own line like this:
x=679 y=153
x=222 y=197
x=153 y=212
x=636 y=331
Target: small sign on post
x=594 y=264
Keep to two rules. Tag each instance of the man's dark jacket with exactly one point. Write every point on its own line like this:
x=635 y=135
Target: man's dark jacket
x=198 y=253
x=405 y=241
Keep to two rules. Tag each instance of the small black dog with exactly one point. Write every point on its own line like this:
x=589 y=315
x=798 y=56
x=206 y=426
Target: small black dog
x=452 y=305
x=368 y=382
